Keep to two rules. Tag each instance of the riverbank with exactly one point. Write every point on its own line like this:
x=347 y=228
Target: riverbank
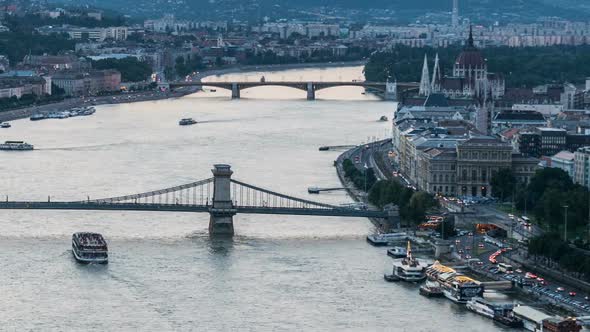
x=70 y=103
x=356 y=194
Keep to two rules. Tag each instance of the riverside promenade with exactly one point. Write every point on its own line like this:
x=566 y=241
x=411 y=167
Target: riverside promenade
x=69 y=103
x=356 y=194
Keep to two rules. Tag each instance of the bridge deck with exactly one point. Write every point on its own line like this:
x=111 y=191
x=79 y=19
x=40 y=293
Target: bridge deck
x=338 y=212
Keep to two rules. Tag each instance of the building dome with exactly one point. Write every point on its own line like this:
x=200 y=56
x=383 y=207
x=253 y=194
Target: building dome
x=471 y=56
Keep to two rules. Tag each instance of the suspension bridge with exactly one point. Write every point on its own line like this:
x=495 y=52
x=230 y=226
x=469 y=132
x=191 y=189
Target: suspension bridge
x=220 y=196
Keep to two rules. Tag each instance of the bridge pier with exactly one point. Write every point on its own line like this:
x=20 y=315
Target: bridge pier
x=222 y=211
x=235 y=91
x=310 y=91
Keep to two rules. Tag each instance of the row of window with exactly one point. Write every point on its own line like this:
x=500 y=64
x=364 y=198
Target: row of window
x=474 y=155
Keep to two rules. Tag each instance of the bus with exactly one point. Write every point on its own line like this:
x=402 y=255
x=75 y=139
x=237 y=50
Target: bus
x=505 y=268
x=526 y=221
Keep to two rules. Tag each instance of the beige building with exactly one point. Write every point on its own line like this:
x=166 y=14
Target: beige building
x=92 y=83
x=467 y=170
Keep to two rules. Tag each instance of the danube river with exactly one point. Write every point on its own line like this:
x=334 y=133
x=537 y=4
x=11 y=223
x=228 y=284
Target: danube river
x=279 y=273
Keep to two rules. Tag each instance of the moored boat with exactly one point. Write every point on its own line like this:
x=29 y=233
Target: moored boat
x=38 y=116
x=16 y=146
x=397 y=252
x=481 y=306
x=385 y=239
x=5 y=125
x=89 y=248
x=431 y=289
x=409 y=269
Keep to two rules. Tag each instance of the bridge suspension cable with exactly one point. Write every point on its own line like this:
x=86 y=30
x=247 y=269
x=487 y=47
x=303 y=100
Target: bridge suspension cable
x=194 y=193
x=247 y=195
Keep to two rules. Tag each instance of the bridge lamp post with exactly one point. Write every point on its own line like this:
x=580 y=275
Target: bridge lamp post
x=365 y=167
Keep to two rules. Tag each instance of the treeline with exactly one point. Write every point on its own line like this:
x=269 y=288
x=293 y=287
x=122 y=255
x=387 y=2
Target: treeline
x=521 y=67
x=132 y=70
x=16 y=45
x=184 y=66
x=413 y=205
x=271 y=58
x=546 y=195
x=556 y=252
x=360 y=179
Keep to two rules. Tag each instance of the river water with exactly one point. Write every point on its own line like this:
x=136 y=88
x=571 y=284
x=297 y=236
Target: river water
x=279 y=273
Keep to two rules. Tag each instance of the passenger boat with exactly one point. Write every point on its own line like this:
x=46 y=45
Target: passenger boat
x=431 y=289
x=5 y=125
x=385 y=239
x=409 y=268
x=187 y=122
x=38 y=116
x=16 y=146
x=89 y=248
x=459 y=288
x=482 y=307
x=397 y=252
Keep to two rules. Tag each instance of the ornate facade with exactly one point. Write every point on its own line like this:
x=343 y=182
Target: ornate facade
x=470 y=78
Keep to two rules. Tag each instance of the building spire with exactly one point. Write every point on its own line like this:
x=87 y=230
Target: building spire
x=425 y=80
x=436 y=77
x=470 y=39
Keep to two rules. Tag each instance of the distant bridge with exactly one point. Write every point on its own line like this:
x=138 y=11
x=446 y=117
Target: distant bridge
x=389 y=89
x=220 y=196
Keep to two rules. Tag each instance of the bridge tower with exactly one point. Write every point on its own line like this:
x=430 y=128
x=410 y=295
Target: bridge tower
x=222 y=210
x=235 y=91
x=391 y=90
x=310 y=91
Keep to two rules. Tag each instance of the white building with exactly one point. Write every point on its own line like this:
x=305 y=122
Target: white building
x=582 y=166
x=565 y=161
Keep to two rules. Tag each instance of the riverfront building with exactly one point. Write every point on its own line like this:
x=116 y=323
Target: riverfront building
x=91 y=83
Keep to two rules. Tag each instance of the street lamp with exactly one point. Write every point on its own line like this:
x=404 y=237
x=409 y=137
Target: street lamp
x=565 y=223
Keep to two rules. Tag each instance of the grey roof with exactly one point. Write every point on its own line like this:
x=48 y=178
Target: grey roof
x=436 y=100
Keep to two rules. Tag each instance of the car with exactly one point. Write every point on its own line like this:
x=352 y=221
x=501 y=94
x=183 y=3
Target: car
x=470 y=234
x=544 y=283
x=530 y=275
x=480 y=263
x=481 y=245
x=467 y=256
x=457 y=241
x=518 y=271
x=559 y=289
x=572 y=293
x=461 y=251
x=586 y=298
x=540 y=279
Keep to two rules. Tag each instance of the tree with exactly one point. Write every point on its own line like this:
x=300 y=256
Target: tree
x=503 y=183
x=420 y=202
x=132 y=70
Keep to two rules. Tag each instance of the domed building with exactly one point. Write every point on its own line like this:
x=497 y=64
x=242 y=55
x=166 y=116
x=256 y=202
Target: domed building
x=470 y=79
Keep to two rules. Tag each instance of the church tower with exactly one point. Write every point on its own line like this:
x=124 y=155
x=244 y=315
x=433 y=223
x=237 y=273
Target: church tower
x=425 y=80
x=436 y=76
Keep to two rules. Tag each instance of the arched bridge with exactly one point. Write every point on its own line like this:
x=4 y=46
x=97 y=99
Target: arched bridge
x=389 y=89
x=220 y=196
